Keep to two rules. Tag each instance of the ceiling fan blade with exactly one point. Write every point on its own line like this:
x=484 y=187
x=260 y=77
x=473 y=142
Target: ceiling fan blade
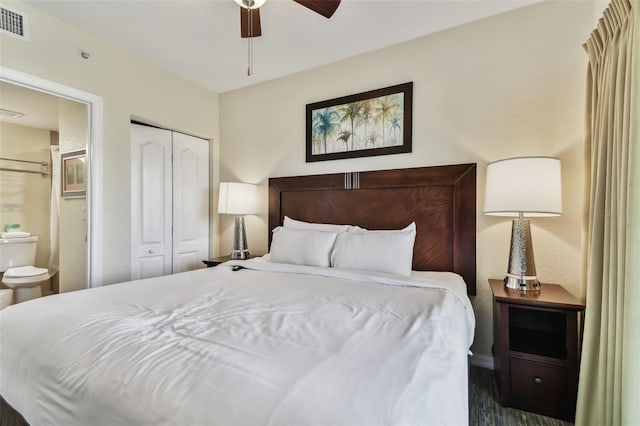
x=256 y=30
x=323 y=7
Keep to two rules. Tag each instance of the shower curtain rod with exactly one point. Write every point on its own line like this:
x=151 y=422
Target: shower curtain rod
x=44 y=166
x=42 y=163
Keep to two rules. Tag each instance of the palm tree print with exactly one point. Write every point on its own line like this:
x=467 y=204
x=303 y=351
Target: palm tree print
x=372 y=138
x=325 y=124
x=387 y=108
x=351 y=114
x=365 y=124
x=395 y=125
x=366 y=112
x=344 y=137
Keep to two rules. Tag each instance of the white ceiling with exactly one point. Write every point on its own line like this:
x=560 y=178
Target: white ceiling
x=40 y=109
x=200 y=39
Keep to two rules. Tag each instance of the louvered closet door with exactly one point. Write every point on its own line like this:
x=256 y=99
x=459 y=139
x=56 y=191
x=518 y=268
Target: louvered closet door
x=151 y=202
x=190 y=202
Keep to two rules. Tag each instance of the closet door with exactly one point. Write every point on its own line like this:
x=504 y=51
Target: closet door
x=190 y=202
x=151 y=202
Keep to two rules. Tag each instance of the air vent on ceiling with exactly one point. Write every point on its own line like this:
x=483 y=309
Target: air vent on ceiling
x=10 y=114
x=13 y=23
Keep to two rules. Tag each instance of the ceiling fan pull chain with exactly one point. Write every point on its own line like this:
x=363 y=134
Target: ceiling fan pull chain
x=250 y=59
x=250 y=42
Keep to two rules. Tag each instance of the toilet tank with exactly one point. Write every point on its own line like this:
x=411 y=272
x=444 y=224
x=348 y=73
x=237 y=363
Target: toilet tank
x=17 y=252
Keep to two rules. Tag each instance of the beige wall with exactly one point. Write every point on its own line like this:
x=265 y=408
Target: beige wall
x=24 y=197
x=129 y=87
x=510 y=85
x=73 y=136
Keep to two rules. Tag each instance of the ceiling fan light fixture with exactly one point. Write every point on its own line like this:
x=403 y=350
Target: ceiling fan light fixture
x=250 y=4
x=250 y=19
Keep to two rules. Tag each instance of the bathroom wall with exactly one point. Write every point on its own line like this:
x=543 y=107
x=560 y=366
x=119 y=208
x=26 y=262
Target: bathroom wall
x=24 y=197
x=73 y=132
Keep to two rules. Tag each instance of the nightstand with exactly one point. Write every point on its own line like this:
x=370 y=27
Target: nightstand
x=536 y=345
x=215 y=261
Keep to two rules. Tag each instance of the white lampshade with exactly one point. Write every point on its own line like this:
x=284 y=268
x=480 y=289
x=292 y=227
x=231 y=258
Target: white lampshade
x=237 y=198
x=528 y=185
x=248 y=4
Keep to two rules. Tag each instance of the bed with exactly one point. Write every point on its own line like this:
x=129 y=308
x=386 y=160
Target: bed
x=263 y=342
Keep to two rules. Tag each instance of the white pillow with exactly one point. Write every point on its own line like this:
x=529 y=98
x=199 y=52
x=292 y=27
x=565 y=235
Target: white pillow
x=380 y=251
x=302 y=247
x=326 y=227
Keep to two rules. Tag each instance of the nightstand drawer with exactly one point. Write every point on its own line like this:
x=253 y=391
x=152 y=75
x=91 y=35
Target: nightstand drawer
x=538 y=387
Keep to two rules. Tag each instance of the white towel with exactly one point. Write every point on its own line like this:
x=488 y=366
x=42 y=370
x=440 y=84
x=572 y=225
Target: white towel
x=15 y=234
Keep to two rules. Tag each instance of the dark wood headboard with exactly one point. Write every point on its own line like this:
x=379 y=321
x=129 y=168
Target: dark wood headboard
x=441 y=200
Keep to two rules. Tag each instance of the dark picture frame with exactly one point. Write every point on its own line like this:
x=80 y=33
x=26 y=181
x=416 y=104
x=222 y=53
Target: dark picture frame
x=377 y=122
x=74 y=174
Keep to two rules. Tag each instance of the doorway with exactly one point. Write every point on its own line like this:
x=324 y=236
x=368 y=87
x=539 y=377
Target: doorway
x=92 y=209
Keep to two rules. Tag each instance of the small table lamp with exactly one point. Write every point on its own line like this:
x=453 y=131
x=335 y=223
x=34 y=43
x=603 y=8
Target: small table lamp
x=238 y=199
x=524 y=186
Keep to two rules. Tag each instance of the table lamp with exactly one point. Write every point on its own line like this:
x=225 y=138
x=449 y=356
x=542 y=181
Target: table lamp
x=238 y=199
x=523 y=187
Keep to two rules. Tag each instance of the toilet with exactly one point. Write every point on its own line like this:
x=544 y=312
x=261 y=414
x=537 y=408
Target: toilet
x=17 y=256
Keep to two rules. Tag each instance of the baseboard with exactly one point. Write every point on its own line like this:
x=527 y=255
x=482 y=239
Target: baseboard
x=482 y=361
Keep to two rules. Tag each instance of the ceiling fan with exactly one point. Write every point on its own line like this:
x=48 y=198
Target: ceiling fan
x=250 y=13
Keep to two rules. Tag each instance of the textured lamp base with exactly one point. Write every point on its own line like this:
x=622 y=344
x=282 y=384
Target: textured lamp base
x=522 y=284
x=522 y=266
x=240 y=249
x=240 y=255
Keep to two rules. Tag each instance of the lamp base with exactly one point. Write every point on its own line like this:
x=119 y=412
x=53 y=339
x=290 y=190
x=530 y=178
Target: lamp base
x=240 y=249
x=522 y=283
x=521 y=274
x=240 y=255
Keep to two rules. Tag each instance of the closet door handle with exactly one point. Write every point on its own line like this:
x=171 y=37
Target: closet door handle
x=537 y=380
x=151 y=251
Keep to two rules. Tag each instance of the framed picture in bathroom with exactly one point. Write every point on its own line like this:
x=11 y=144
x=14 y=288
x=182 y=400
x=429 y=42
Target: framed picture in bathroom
x=74 y=167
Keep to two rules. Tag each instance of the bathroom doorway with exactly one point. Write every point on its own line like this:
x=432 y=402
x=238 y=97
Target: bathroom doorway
x=79 y=121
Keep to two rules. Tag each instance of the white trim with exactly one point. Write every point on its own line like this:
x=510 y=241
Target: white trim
x=483 y=361
x=94 y=154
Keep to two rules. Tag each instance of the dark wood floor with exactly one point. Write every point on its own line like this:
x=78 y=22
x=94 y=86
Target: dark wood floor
x=485 y=408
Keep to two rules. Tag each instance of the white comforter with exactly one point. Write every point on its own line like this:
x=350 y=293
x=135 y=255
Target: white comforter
x=269 y=345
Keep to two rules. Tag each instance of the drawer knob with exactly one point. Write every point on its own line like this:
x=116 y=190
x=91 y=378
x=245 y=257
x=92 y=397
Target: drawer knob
x=537 y=380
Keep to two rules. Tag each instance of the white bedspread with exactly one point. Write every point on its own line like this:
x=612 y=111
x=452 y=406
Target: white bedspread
x=270 y=345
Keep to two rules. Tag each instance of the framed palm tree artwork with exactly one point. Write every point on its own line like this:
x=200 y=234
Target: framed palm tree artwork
x=377 y=122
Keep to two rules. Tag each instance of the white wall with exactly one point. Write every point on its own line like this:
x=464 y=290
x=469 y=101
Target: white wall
x=73 y=131
x=509 y=85
x=130 y=87
x=24 y=197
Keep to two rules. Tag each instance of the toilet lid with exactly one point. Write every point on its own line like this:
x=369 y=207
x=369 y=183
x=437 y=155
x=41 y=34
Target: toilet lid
x=25 y=271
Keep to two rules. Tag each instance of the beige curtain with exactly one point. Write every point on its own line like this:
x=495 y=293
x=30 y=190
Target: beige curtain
x=610 y=371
